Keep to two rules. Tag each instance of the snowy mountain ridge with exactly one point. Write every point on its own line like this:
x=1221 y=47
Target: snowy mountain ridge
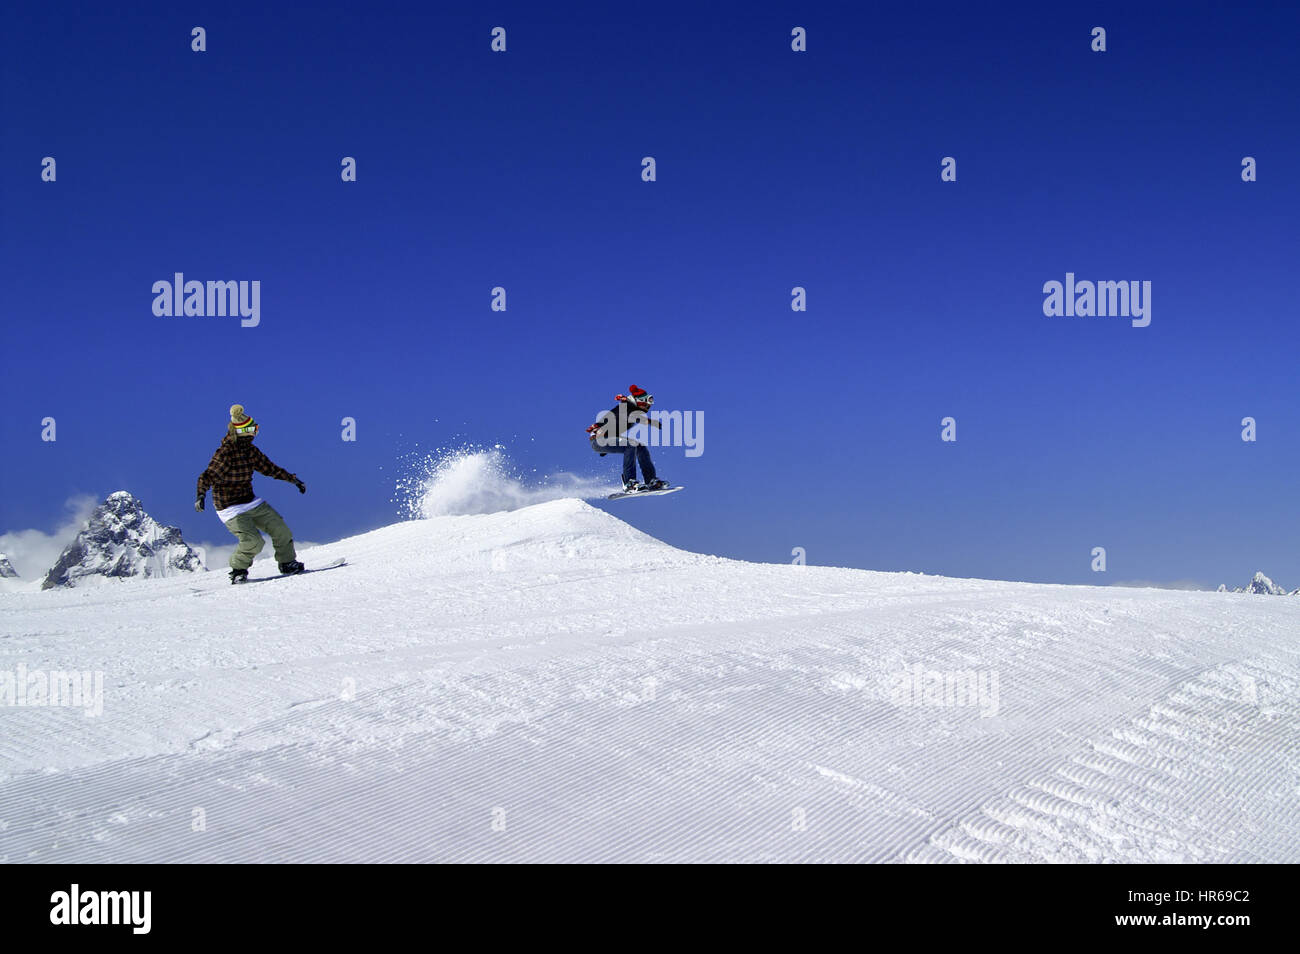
x=119 y=541
x=1260 y=584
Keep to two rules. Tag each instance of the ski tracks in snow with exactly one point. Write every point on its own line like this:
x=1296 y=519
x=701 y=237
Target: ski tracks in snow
x=470 y=690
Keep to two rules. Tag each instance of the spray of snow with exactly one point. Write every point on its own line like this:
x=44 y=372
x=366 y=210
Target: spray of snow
x=470 y=480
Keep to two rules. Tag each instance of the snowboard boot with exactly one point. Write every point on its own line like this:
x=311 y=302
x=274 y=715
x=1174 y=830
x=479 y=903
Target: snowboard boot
x=238 y=576
x=293 y=566
x=630 y=487
x=656 y=484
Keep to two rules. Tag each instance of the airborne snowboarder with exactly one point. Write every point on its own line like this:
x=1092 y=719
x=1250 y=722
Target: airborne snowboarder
x=247 y=516
x=609 y=435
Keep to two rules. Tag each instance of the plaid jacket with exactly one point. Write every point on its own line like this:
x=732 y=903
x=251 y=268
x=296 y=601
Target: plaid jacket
x=230 y=472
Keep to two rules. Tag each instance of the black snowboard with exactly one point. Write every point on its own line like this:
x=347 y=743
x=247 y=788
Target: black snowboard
x=281 y=576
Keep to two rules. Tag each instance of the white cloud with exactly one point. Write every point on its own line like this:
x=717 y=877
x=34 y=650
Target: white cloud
x=33 y=552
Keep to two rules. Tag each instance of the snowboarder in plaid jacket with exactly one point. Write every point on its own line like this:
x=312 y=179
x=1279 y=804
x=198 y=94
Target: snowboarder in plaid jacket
x=246 y=515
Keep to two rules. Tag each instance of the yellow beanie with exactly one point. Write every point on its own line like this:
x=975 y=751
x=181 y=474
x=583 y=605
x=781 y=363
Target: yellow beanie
x=241 y=425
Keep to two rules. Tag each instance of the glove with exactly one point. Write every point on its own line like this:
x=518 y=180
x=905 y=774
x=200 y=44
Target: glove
x=302 y=488
x=198 y=504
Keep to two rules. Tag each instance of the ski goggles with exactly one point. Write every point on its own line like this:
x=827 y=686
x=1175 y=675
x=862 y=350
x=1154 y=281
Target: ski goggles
x=646 y=399
x=247 y=429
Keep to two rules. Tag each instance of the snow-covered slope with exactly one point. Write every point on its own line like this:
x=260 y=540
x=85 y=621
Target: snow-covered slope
x=551 y=684
x=7 y=571
x=121 y=541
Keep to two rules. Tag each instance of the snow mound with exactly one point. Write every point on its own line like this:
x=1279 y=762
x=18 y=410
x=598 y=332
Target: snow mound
x=544 y=542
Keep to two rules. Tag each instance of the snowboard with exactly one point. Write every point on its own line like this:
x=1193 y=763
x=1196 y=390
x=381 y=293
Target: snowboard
x=311 y=569
x=643 y=493
x=207 y=591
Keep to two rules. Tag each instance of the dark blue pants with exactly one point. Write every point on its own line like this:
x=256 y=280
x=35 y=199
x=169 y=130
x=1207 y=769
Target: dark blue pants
x=633 y=455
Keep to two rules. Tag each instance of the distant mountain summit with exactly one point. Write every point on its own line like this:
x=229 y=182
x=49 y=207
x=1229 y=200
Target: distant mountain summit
x=121 y=541
x=1260 y=584
x=7 y=570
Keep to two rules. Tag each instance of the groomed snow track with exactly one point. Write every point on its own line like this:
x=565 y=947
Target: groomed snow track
x=549 y=684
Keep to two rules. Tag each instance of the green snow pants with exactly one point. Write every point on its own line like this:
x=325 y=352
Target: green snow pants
x=246 y=529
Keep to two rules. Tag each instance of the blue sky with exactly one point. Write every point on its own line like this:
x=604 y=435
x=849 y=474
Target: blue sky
x=775 y=169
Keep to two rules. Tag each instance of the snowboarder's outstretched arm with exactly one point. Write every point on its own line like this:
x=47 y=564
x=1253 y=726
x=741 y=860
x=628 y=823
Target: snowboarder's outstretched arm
x=639 y=416
x=264 y=465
